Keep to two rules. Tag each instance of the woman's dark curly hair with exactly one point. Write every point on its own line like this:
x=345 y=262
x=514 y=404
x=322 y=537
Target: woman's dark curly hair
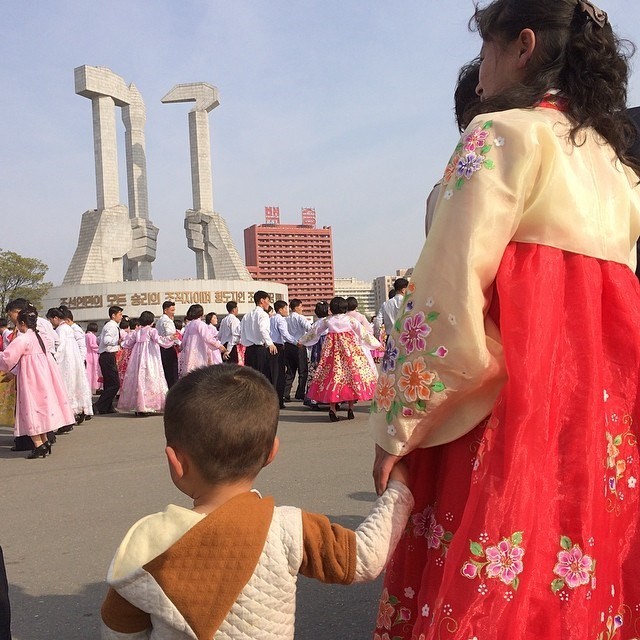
x=587 y=63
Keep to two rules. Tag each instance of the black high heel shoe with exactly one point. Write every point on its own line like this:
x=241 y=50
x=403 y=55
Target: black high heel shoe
x=48 y=445
x=38 y=452
x=332 y=416
x=350 y=415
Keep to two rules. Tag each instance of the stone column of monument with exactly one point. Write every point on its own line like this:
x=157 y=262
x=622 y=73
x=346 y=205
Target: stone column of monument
x=137 y=261
x=207 y=232
x=114 y=243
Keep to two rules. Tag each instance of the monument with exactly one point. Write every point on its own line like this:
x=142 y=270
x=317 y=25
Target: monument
x=114 y=244
x=207 y=232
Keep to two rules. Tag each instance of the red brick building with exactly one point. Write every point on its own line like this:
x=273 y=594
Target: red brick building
x=299 y=256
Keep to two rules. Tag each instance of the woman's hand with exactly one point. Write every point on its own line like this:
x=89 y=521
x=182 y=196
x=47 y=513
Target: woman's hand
x=382 y=466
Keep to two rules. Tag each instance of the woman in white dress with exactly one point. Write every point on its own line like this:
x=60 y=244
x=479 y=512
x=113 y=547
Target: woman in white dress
x=72 y=368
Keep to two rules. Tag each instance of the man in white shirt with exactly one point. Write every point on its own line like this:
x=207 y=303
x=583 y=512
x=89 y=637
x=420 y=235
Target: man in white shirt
x=167 y=329
x=108 y=346
x=255 y=335
x=295 y=353
x=280 y=336
x=78 y=333
x=229 y=332
x=389 y=309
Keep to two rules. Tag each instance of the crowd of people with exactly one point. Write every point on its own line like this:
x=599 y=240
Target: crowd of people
x=132 y=363
x=504 y=414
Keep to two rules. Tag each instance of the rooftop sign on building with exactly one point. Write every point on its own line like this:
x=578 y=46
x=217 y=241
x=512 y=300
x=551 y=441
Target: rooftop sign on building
x=309 y=217
x=272 y=215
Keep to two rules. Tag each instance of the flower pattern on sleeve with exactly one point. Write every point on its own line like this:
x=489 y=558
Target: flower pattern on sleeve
x=469 y=157
x=406 y=385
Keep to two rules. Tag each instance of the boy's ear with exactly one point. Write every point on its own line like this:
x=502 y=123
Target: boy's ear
x=177 y=463
x=274 y=451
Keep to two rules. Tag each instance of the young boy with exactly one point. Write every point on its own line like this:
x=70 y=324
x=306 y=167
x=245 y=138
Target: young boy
x=228 y=568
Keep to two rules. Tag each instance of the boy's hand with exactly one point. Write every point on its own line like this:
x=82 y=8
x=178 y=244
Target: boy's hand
x=400 y=473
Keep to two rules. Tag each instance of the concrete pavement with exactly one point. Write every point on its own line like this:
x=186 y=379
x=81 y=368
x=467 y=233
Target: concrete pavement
x=62 y=517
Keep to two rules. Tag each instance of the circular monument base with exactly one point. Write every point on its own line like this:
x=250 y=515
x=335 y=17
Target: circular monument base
x=90 y=302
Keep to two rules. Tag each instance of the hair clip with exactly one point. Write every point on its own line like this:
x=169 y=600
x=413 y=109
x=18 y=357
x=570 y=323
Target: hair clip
x=597 y=15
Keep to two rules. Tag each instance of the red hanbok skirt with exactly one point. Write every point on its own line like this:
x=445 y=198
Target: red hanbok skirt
x=528 y=526
x=344 y=373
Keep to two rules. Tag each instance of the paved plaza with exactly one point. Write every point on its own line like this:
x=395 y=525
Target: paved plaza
x=62 y=517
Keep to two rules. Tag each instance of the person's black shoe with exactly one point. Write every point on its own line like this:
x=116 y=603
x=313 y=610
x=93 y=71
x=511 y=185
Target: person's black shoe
x=63 y=430
x=332 y=416
x=282 y=404
x=80 y=418
x=287 y=398
x=38 y=452
x=350 y=415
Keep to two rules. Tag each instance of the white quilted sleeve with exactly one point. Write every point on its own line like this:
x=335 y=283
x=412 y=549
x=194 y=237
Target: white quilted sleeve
x=377 y=536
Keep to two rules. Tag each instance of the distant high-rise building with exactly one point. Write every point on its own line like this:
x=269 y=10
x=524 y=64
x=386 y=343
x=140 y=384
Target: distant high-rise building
x=299 y=256
x=383 y=284
x=362 y=290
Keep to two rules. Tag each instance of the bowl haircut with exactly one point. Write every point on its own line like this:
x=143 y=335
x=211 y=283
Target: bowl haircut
x=225 y=417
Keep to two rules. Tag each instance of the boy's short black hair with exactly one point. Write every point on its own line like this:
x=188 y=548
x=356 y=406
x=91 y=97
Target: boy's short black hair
x=115 y=309
x=400 y=284
x=167 y=304
x=294 y=303
x=231 y=305
x=225 y=417
x=259 y=296
x=18 y=304
x=279 y=304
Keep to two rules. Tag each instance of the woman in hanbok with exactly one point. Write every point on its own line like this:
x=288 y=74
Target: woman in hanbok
x=144 y=388
x=123 y=355
x=321 y=311
x=42 y=403
x=510 y=380
x=344 y=373
x=72 y=368
x=94 y=375
x=197 y=341
x=211 y=320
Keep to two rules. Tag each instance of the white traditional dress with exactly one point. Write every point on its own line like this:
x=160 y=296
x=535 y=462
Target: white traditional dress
x=144 y=388
x=73 y=372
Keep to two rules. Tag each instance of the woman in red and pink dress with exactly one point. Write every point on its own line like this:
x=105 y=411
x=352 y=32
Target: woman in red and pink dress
x=344 y=374
x=510 y=382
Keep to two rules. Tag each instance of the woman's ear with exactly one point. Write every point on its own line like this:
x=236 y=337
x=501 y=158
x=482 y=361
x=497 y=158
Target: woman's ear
x=526 y=47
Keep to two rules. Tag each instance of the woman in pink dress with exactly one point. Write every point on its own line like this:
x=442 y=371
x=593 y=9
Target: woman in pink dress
x=211 y=320
x=197 y=342
x=42 y=403
x=144 y=388
x=94 y=375
x=344 y=373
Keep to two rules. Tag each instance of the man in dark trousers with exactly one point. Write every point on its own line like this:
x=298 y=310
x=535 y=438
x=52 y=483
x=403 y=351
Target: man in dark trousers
x=167 y=329
x=108 y=346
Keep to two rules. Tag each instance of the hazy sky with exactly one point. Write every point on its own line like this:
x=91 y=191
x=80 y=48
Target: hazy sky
x=341 y=105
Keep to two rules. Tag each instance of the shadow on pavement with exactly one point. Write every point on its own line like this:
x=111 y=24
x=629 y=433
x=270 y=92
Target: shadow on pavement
x=337 y=611
x=68 y=617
